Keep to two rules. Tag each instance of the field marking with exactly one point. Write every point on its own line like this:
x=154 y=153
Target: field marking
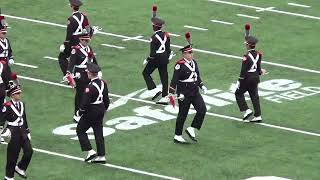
x=299 y=5
x=196 y=28
x=211 y=114
x=177 y=46
x=107 y=164
x=175 y=35
x=132 y=38
x=26 y=65
x=247 y=16
x=265 y=9
x=113 y=46
x=52 y=58
x=221 y=22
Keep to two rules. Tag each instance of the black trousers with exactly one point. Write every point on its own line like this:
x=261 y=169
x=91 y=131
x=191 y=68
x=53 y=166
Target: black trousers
x=81 y=85
x=63 y=61
x=2 y=97
x=163 y=72
x=19 y=139
x=184 y=106
x=249 y=84
x=93 y=119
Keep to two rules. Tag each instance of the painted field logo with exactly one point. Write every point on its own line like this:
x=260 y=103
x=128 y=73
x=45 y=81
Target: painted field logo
x=276 y=90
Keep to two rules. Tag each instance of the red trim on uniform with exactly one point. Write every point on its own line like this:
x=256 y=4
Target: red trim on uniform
x=181 y=61
x=9 y=103
x=14 y=76
x=1 y=17
x=85 y=14
x=84 y=37
x=166 y=34
x=76 y=47
x=3 y=62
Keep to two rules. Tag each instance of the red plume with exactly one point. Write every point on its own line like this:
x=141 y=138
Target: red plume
x=172 y=102
x=154 y=10
x=188 y=37
x=14 y=76
x=247 y=26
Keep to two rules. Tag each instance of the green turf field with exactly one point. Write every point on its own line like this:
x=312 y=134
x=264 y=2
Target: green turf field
x=139 y=133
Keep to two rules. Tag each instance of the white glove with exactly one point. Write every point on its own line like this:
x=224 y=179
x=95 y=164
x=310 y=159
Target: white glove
x=264 y=72
x=77 y=75
x=100 y=74
x=11 y=61
x=29 y=136
x=6 y=133
x=62 y=47
x=96 y=29
x=238 y=84
x=172 y=54
x=181 y=97
x=204 y=89
x=145 y=61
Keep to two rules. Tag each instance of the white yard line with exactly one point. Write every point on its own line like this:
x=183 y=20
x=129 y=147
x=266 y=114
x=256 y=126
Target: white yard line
x=175 y=35
x=299 y=5
x=107 y=164
x=52 y=58
x=113 y=46
x=132 y=38
x=26 y=65
x=252 y=17
x=151 y=102
x=265 y=9
x=196 y=28
x=221 y=22
x=177 y=46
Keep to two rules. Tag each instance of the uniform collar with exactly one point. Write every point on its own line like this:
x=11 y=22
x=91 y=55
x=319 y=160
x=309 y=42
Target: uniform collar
x=3 y=40
x=157 y=31
x=94 y=78
x=186 y=60
x=14 y=102
x=82 y=46
x=251 y=50
x=75 y=12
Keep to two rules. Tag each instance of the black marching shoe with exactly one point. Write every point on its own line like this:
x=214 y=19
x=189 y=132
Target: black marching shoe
x=247 y=114
x=91 y=155
x=190 y=132
x=99 y=159
x=20 y=172
x=179 y=140
x=156 y=96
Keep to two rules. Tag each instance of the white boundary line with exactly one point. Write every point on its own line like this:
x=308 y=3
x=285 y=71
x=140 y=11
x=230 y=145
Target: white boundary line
x=107 y=164
x=177 y=46
x=266 y=9
x=221 y=22
x=26 y=65
x=252 y=17
x=299 y=5
x=151 y=102
x=113 y=46
x=196 y=28
x=52 y=58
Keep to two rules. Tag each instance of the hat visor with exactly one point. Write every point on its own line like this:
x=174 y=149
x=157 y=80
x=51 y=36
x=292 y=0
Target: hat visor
x=85 y=37
x=17 y=91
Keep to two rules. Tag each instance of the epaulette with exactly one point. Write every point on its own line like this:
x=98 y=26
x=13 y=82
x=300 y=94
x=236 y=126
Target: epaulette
x=85 y=14
x=104 y=81
x=9 y=103
x=76 y=47
x=181 y=61
x=259 y=52
x=166 y=34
